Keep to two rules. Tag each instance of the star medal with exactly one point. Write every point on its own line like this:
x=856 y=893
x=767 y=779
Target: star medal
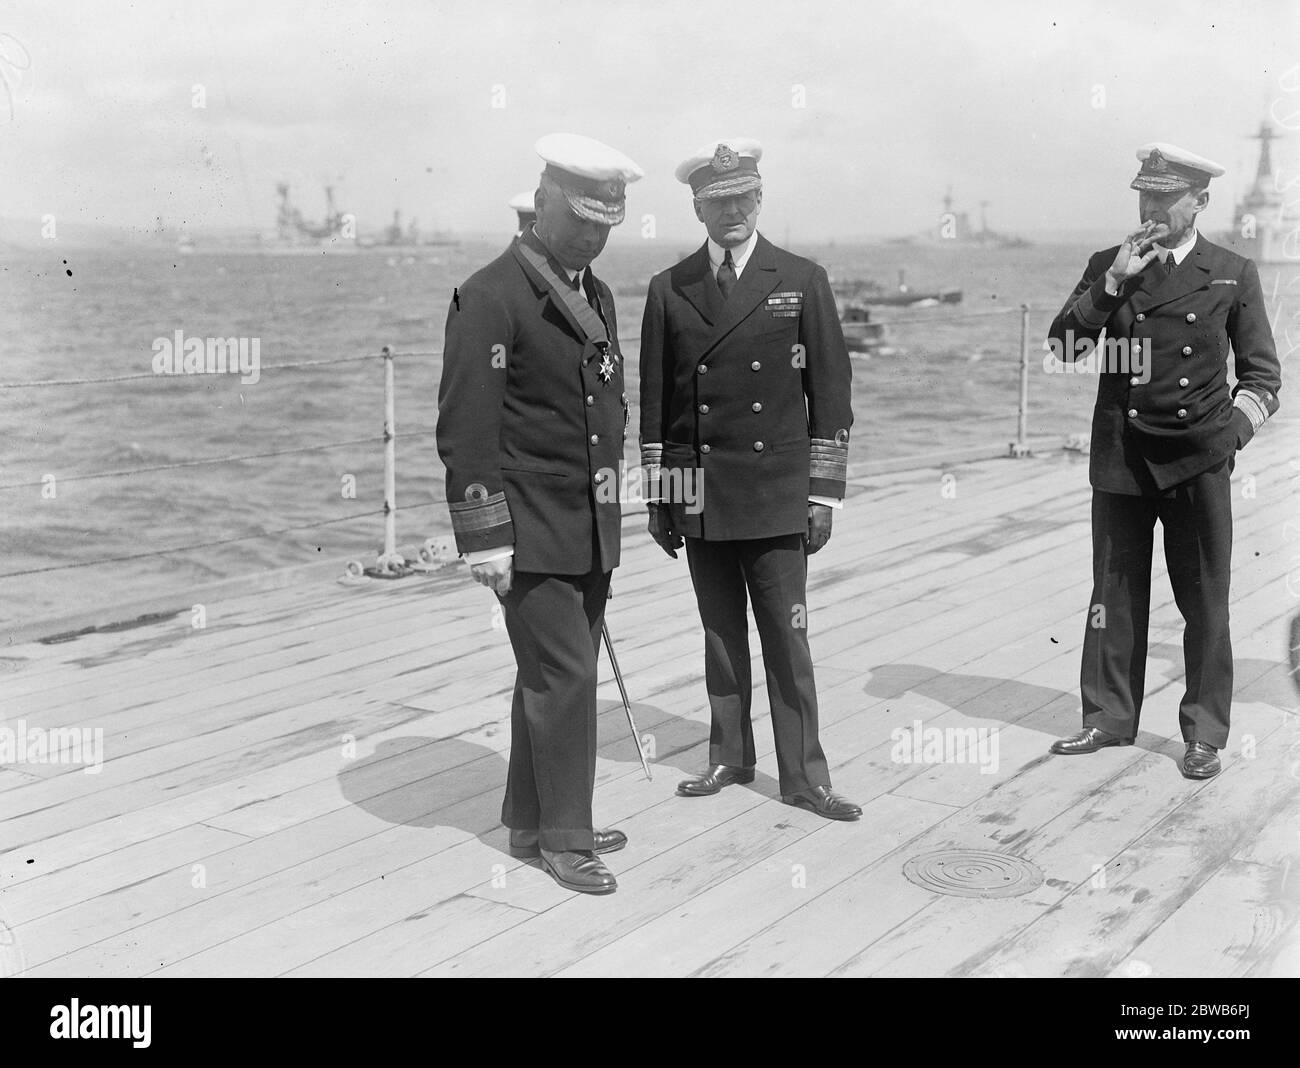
x=607 y=367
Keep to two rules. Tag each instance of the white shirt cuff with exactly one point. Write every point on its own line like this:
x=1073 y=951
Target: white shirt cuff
x=830 y=502
x=482 y=556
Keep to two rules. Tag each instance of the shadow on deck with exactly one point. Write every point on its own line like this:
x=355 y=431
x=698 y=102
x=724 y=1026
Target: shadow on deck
x=311 y=784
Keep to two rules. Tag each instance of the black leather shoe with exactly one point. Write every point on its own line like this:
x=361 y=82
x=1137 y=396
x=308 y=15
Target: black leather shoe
x=825 y=802
x=524 y=843
x=1088 y=740
x=1201 y=761
x=582 y=872
x=713 y=780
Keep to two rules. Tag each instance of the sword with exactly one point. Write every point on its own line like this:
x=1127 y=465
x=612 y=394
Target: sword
x=627 y=705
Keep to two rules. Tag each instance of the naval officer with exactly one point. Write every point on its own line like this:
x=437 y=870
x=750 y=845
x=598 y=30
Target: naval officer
x=525 y=210
x=532 y=416
x=1164 y=435
x=745 y=416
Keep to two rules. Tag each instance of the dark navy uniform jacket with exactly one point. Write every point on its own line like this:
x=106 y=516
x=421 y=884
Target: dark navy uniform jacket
x=1149 y=436
x=527 y=428
x=753 y=395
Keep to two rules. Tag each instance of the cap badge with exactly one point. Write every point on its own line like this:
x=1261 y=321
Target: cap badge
x=1156 y=163
x=725 y=159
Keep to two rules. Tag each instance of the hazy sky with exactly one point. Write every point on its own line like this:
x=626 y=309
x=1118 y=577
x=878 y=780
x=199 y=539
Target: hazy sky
x=1035 y=107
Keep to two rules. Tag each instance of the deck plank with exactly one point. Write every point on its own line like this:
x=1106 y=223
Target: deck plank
x=224 y=749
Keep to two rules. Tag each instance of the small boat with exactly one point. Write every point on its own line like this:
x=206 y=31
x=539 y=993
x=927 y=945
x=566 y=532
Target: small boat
x=906 y=298
x=862 y=335
x=869 y=291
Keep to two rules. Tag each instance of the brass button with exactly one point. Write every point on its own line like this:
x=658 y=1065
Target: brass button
x=595 y=439
x=624 y=398
x=1182 y=413
x=1141 y=317
x=1191 y=317
x=704 y=409
x=590 y=400
x=1182 y=381
x=757 y=406
x=755 y=366
x=704 y=448
x=758 y=446
x=600 y=477
x=1187 y=350
x=702 y=370
x=1134 y=381
x=1132 y=413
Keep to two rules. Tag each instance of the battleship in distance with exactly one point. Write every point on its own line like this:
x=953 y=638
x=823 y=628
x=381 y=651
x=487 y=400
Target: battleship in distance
x=1265 y=226
x=954 y=230
x=336 y=232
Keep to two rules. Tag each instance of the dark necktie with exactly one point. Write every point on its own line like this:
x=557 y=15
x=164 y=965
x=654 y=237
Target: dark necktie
x=727 y=275
x=588 y=291
x=1171 y=264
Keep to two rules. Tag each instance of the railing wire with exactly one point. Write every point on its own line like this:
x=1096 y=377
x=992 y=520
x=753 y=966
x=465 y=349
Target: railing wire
x=332 y=361
x=209 y=544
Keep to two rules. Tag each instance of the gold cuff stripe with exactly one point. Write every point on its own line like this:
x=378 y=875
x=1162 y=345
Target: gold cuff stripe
x=468 y=517
x=1255 y=409
x=829 y=459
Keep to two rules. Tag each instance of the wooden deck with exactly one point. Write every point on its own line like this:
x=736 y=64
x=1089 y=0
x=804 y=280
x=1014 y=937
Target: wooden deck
x=311 y=784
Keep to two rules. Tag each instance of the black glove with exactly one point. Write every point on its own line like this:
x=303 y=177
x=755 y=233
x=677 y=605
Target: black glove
x=819 y=526
x=660 y=527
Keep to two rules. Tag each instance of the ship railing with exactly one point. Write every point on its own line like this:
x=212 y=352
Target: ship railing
x=435 y=549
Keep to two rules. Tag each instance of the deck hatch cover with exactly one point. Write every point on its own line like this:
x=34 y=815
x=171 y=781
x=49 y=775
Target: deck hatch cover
x=973 y=873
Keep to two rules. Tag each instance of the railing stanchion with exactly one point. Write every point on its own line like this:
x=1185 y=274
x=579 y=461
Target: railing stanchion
x=1020 y=447
x=389 y=557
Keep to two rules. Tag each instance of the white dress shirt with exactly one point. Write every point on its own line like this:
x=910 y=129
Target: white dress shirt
x=1179 y=254
x=739 y=255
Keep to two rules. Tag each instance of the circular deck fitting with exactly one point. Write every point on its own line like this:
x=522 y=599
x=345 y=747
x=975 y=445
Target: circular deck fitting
x=973 y=873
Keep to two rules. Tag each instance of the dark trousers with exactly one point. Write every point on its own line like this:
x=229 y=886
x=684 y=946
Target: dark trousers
x=554 y=623
x=774 y=571
x=1197 y=521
